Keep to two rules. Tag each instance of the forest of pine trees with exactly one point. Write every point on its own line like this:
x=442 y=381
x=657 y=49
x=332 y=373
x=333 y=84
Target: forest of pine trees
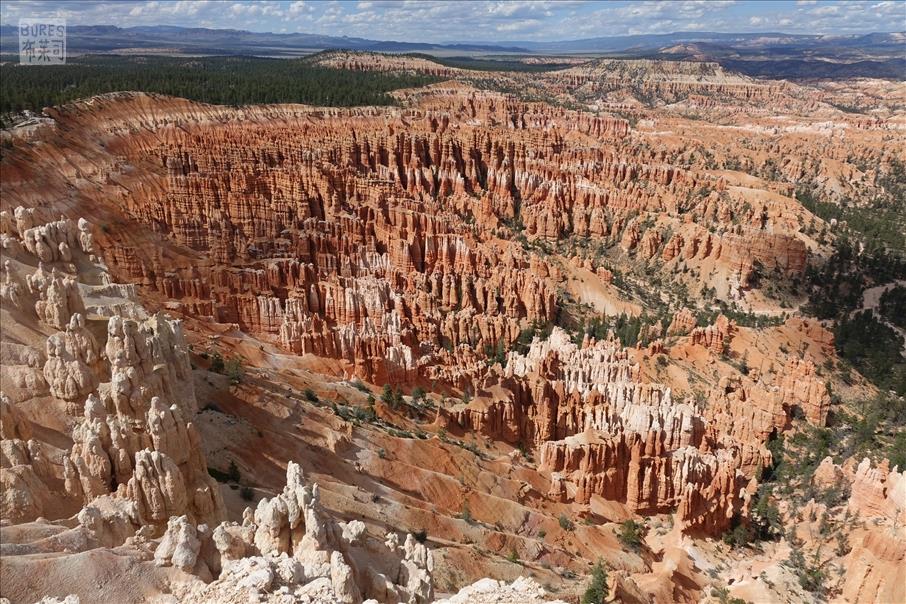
x=217 y=80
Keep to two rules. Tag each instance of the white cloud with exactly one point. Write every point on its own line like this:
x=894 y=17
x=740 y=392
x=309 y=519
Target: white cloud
x=518 y=25
x=828 y=9
x=478 y=20
x=298 y=8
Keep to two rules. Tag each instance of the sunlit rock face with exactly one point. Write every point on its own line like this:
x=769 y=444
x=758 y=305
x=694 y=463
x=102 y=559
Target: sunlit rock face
x=455 y=243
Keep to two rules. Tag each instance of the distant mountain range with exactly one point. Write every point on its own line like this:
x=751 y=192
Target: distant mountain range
x=885 y=43
x=109 y=38
x=763 y=54
x=198 y=40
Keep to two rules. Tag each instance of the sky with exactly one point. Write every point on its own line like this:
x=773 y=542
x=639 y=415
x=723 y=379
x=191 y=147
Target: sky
x=478 y=21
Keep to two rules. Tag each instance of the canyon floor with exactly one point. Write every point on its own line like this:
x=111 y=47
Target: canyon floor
x=638 y=317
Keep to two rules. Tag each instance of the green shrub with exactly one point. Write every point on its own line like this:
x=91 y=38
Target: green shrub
x=722 y=594
x=496 y=354
x=740 y=535
x=874 y=349
x=466 y=514
x=897 y=452
x=473 y=448
x=843 y=546
x=811 y=576
x=893 y=305
x=766 y=520
x=233 y=370
x=392 y=397
x=310 y=395
x=566 y=524
x=631 y=534
x=836 y=287
x=764 y=523
x=217 y=362
x=247 y=493
x=597 y=590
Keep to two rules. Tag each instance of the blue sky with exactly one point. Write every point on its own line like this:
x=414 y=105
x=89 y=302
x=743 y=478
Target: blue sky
x=486 y=21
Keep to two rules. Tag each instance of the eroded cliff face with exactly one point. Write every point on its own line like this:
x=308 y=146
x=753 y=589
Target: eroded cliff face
x=130 y=397
x=601 y=430
x=135 y=471
x=668 y=81
x=412 y=246
x=381 y=238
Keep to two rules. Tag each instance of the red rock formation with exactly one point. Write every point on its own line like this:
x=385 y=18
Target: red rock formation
x=637 y=470
x=597 y=427
x=683 y=322
x=715 y=337
x=875 y=568
x=879 y=492
x=382 y=238
x=414 y=244
x=342 y=233
x=800 y=386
